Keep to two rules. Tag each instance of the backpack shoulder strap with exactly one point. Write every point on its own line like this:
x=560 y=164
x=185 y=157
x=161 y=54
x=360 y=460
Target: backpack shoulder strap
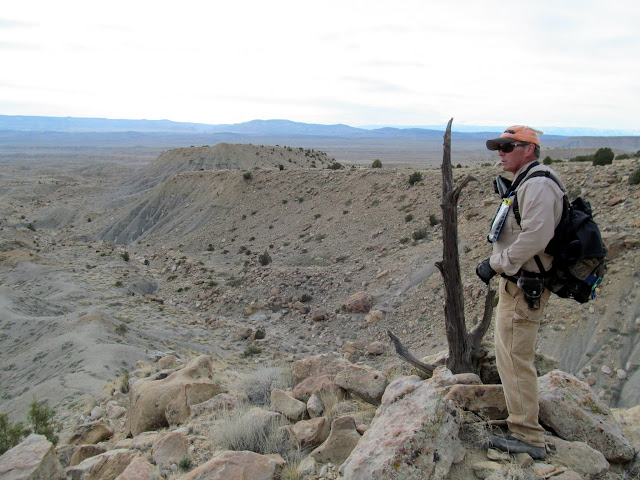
x=541 y=173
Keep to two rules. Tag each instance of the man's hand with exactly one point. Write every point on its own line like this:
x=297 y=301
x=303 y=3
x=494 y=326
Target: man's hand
x=485 y=272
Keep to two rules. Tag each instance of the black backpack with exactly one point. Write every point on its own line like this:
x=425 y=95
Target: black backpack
x=577 y=248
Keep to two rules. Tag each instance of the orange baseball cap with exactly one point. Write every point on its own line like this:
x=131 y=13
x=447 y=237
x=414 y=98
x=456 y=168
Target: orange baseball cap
x=514 y=134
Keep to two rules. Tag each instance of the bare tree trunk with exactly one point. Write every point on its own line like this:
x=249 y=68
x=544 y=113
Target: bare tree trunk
x=465 y=349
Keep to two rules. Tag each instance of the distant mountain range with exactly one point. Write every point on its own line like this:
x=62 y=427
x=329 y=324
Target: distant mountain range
x=264 y=128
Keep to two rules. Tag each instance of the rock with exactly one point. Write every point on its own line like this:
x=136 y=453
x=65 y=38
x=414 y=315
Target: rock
x=569 y=407
x=363 y=381
x=376 y=348
x=90 y=433
x=168 y=361
x=179 y=409
x=629 y=420
x=316 y=385
x=32 y=459
x=413 y=436
x=315 y=408
x=307 y=467
x=96 y=413
x=149 y=397
x=341 y=441
x=498 y=456
x=115 y=411
x=319 y=314
x=235 y=466
x=301 y=307
x=487 y=469
x=360 y=302
x=83 y=452
x=242 y=333
x=287 y=405
x=350 y=350
x=374 y=316
x=311 y=432
x=220 y=402
x=487 y=401
x=621 y=374
x=169 y=449
x=324 y=364
x=578 y=456
x=64 y=454
x=138 y=469
x=106 y=466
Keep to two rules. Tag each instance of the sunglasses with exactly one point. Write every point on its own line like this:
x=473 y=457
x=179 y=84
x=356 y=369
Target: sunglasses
x=508 y=147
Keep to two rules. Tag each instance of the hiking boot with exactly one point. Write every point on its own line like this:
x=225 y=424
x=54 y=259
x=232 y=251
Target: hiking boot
x=513 y=445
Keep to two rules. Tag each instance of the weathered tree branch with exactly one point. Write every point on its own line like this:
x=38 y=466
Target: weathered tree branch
x=404 y=353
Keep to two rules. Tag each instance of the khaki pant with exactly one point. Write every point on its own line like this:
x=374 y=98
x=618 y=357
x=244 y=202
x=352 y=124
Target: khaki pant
x=515 y=338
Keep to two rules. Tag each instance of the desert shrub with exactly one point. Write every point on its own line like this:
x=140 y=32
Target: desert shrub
x=260 y=334
x=185 y=463
x=265 y=258
x=433 y=220
x=121 y=329
x=31 y=227
x=376 y=163
x=124 y=382
x=420 y=234
x=604 y=156
x=40 y=418
x=582 y=158
x=408 y=217
x=246 y=175
x=624 y=156
x=547 y=160
x=251 y=350
x=404 y=240
x=415 y=177
x=125 y=256
x=634 y=178
x=258 y=384
x=305 y=298
x=10 y=435
x=335 y=166
x=280 y=167
x=238 y=431
x=118 y=284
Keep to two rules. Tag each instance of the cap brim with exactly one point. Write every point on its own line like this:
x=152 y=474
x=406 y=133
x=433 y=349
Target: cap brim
x=495 y=143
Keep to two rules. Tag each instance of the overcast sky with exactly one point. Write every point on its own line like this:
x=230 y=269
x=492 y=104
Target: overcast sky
x=374 y=62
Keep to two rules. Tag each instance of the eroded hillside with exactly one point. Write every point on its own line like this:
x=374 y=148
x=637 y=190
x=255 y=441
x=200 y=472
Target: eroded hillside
x=181 y=266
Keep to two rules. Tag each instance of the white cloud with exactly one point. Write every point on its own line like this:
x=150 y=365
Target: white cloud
x=410 y=62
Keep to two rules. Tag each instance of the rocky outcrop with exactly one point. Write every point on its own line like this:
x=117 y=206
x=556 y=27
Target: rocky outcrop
x=32 y=459
x=569 y=407
x=235 y=466
x=318 y=365
x=106 y=466
x=288 y=406
x=150 y=397
x=179 y=409
x=414 y=435
x=311 y=432
x=363 y=381
x=90 y=433
x=171 y=448
x=341 y=441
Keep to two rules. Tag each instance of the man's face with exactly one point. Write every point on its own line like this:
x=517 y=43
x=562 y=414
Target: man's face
x=514 y=160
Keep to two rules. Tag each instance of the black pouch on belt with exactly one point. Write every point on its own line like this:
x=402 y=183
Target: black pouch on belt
x=532 y=288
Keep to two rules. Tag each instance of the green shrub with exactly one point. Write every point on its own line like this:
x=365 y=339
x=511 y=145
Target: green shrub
x=433 y=220
x=31 y=227
x=604 y=156
x=547 y=160
x=415 y=177
x=251 y=350
x=305 y=298
x=634 y=178
x=376 y=163
x=40 y=418
x=408 y=217
x=420 y=234
x=582 y=158
x=265 y=258
x=185 y=463
x=118 y=284
x=260 y=334
x=121 y=329
x=246 y=175
x=10 y=435
x=125 y=256
x=335 y=166
x=124 y=383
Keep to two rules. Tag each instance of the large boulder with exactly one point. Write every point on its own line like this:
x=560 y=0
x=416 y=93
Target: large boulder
x=579 y=457
x=323 y=383
x=363 y=381
x=414 y=435
x=311 y=432
x=340 y=443
x=90 y=433
x=230 y=465
x=360 y=302
x=486 y=401
x=171 y=448
x=179 y=409
x=106 y=466
x=139 y=469
x=288 y=406
x=82 y=452
x=32 y=459
x=149 y=397
x=569 y=408
x=324 y=364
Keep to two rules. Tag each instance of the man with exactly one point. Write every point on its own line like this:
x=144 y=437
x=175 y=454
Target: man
x=518 y=253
